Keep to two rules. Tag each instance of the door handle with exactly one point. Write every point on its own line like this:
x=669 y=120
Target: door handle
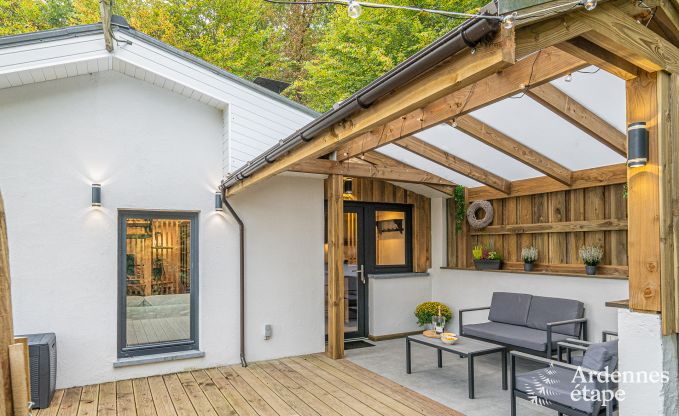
x=361 y=272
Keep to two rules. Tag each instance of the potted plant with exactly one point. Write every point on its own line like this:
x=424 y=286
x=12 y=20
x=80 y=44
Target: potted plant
x=591 y=256
x=486 y=259
x=529 y=256
x=427 y=310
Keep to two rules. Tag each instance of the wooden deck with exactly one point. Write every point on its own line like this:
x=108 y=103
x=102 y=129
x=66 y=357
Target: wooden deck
x=310 y=385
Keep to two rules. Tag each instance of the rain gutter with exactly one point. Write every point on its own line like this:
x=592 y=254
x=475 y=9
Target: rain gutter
x=468 y=34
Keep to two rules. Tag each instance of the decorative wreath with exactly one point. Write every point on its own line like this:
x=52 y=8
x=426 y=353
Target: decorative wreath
x=474 y=207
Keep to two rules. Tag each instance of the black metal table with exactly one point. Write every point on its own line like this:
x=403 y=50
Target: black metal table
x=465 y=348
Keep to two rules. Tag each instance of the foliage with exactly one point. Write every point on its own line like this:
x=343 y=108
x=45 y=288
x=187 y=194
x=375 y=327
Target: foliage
x=624 y=191
x=323 y=53
x=460 y=205
x=425 y=311
x=529 y=254
x=591 y=255
x=485 y=253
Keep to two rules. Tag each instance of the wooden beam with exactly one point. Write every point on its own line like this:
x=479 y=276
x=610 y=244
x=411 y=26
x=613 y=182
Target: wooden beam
x=452 y=162
x=600 y=57
x=365 y=170
x=668 y=153
x=512 y=148
x=456 y=73
x=546 y=33
x=578 y=115
x=619 y=33
x=643 y=200
x=548 y=65
x=587 y=178
x=666 y=17
x=335 y=347
x=554 y=227
x=6 y=323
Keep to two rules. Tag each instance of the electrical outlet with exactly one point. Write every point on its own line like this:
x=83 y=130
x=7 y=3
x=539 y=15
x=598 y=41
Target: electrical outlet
x=268 y=331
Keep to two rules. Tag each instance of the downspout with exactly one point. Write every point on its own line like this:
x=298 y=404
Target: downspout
x=241 y=234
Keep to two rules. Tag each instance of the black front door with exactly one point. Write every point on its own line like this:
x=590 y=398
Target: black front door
x=377 y=240
x=355 y=272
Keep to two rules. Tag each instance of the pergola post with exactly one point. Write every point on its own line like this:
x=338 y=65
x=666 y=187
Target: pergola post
x=644 y=199
x=6 y=324
x=335 y=348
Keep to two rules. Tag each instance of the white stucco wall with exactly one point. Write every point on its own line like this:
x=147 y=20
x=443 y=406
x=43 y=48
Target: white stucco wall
x=392 y=303
x=150 y=149
x=645 y=352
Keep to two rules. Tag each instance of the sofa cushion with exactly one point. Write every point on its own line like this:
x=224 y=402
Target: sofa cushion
x=544 y=310
x=518 y=336
x=601 y=355
x=554 y=384
x=509 y=308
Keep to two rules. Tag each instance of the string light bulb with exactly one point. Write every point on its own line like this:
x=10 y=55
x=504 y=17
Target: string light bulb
x=569 y=78
x=354 y=9
x=453 y=123
x=589 y=5
x=508 y=21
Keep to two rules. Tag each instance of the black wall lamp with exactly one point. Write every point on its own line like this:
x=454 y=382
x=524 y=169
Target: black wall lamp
x=637 y=144
x=348 y=186
x=96 y=195
x=218 y=201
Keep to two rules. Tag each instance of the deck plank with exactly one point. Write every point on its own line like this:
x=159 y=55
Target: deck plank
x=89 y=400
x=125 y=398
x=299 y=391
x=269 y=396
x=364 y=388
x=70 y=402
x=230 y=393
x=216 y=398
x=143 y=398
x=286 y=395
x=360 y=401
x=107 y=405
x=161 y=397
x=249 y=394
x=196 y=395
x=311 y=385
x=316 y=390
x=182 y=403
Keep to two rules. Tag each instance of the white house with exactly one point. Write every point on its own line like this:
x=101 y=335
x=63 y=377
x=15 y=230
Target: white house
x=157 y=129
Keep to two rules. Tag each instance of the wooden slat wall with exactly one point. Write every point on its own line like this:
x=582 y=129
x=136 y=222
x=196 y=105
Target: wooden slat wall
x=371 y=190
x=601 y=212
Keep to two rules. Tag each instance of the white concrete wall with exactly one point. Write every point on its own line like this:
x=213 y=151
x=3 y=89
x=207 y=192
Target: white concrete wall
x=392 y=303
x=646 y=354
x=150 y=149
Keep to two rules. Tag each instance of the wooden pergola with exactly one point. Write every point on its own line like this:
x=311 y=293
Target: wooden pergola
x=524 y=59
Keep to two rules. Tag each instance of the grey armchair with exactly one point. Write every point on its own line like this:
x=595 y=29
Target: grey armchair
x=556 y=386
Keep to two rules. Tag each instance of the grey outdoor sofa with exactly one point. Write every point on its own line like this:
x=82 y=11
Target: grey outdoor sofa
x=533 y=324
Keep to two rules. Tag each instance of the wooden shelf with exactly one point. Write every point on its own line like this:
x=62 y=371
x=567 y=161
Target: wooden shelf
x=584 y=275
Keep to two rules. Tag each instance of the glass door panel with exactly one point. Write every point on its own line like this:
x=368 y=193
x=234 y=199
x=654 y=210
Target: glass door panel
x=351 y=272
x=390 y=238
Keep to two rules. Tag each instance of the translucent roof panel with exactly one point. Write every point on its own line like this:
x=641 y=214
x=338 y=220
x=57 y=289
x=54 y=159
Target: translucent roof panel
x=419 y=162
x=530 y=123
x=465 y=147
x=600 y=92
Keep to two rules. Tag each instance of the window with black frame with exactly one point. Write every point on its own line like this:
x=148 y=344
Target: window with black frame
x=158 y=282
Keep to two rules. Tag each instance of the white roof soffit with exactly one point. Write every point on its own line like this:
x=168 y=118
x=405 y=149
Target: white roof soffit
x=50 y=59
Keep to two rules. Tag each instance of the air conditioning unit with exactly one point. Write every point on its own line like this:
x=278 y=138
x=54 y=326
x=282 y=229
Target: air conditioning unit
x=42 y=352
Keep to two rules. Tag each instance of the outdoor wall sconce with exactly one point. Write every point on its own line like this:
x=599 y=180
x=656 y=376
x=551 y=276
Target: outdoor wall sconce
x=637 y=144
x=218 y=201
x=348 y=186
x=96 y=195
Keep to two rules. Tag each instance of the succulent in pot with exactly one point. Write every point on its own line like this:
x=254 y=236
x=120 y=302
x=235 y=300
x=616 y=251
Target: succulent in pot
x=591 y=256
x=530 y=257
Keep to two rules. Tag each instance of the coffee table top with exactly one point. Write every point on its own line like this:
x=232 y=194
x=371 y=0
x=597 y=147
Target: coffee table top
x=464 y=345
